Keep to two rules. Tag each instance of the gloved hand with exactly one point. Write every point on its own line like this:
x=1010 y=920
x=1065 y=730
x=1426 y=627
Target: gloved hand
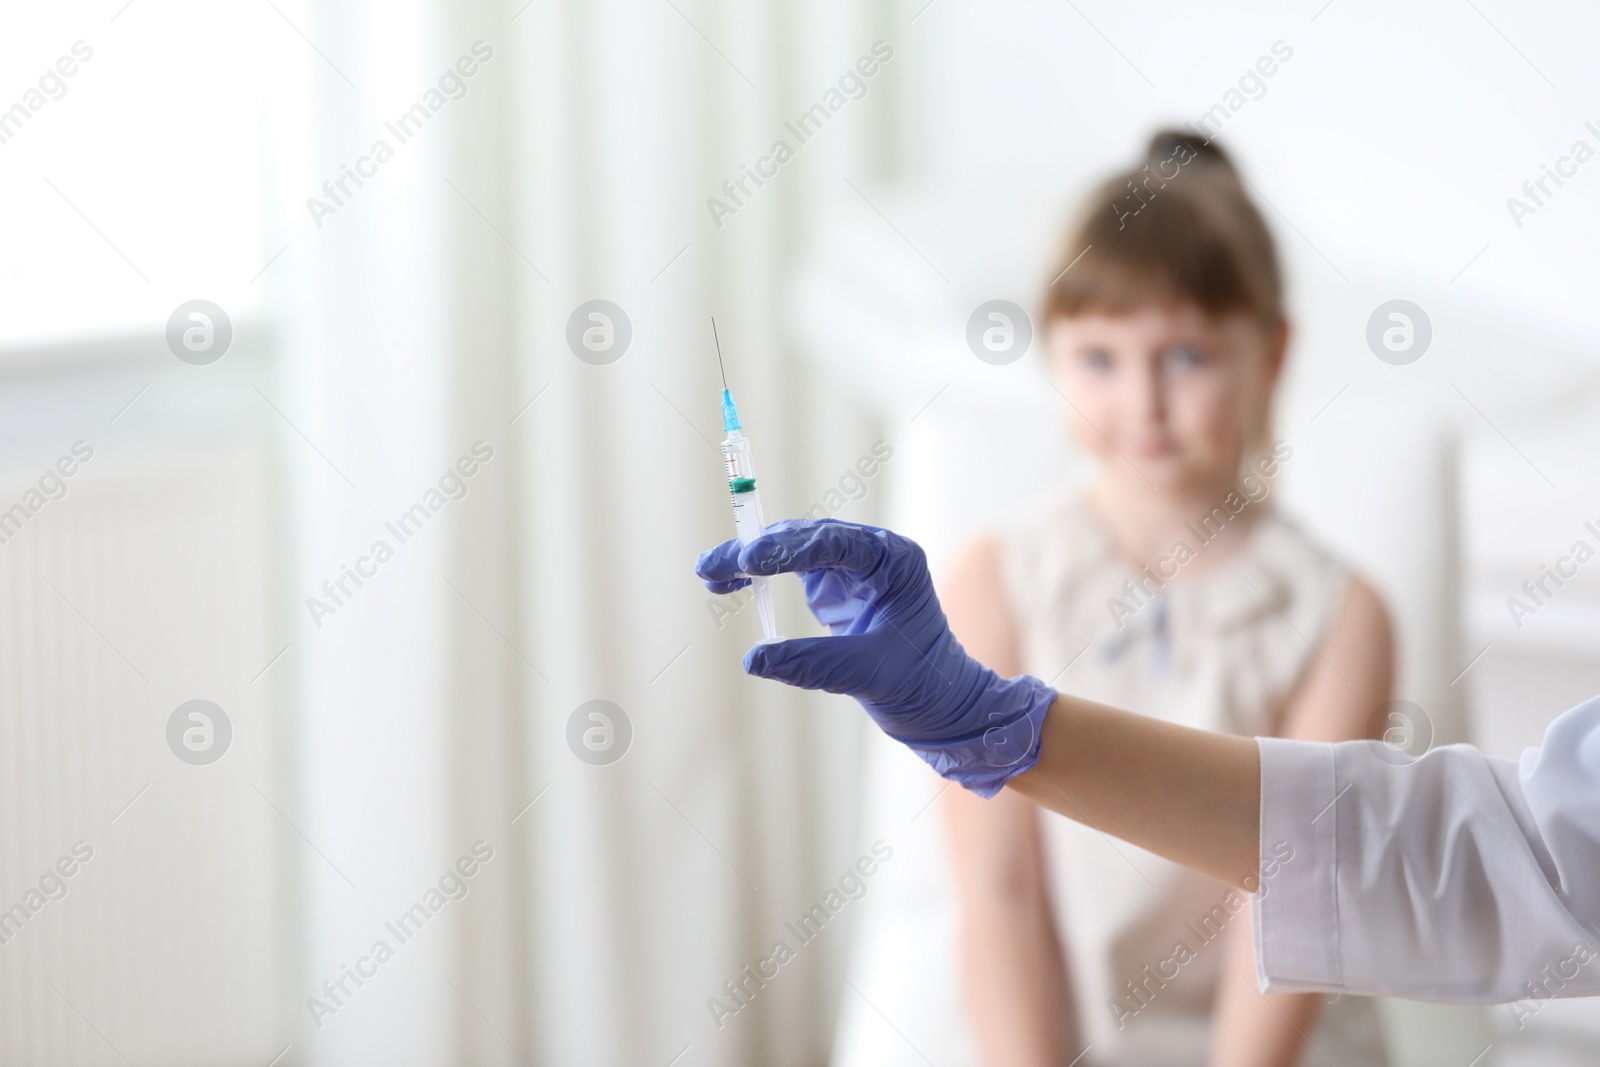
x=891 y=648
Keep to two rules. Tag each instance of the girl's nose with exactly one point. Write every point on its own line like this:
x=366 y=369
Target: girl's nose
x=1148 y=389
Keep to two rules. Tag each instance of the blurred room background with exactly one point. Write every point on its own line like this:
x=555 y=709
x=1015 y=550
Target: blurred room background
x=373 y=739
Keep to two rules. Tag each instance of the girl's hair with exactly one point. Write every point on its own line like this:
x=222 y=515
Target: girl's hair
x=1178 y=227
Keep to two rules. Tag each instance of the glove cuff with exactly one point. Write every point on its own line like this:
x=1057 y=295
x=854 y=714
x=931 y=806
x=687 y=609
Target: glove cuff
x=1005 y=746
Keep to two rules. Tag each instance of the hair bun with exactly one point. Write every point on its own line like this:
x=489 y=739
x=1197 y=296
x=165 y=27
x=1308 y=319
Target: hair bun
x=1166 y=143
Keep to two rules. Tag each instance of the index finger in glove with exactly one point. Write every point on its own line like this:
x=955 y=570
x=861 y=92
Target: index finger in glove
x=813 y=544
x=719 y=567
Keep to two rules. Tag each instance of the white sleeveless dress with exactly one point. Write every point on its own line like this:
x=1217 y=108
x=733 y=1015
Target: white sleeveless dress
x=1221 y=650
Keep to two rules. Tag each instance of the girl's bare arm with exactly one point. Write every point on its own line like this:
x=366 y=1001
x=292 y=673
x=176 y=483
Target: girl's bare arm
x=1012 y=972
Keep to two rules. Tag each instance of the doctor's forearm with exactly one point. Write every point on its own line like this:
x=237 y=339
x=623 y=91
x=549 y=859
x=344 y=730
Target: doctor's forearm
x=1189 y=795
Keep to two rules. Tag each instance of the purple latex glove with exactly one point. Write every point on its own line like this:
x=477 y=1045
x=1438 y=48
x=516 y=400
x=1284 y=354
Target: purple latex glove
x=891 y=648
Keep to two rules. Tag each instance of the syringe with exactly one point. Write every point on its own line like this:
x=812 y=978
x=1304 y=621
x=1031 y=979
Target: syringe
x=747 y=521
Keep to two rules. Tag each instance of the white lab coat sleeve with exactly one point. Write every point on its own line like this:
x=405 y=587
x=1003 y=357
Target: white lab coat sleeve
x=1453 y=877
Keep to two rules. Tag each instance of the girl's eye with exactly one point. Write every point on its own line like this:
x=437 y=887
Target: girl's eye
x=1097 y=359
x=1185 y=356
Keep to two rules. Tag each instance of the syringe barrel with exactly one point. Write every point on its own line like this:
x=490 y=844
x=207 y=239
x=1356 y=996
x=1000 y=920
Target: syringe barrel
x=769 y=618
x=748 y=523
x=739 y=462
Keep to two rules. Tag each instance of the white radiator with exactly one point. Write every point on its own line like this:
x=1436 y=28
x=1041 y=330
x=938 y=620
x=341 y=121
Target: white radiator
x=143 y=587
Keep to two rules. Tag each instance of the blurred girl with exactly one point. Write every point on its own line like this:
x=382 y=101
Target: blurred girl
x=1169 y=584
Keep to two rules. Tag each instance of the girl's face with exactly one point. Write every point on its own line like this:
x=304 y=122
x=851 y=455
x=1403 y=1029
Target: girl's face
x=1169 y=390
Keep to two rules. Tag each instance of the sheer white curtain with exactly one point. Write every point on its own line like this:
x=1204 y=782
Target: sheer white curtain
x=656 y=879
x=436 y=704
x=396 y=377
